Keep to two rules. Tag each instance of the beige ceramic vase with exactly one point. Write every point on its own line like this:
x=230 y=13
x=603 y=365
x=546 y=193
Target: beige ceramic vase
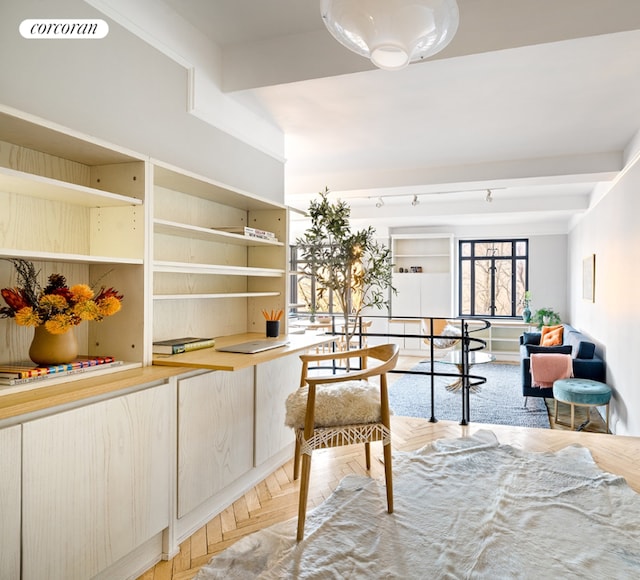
x=53 y=349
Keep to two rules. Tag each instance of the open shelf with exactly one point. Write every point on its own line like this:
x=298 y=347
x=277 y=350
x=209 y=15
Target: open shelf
x=188 y=268
x=161 y=226
x=27 y=184
x=214 y=296
x=59 y=257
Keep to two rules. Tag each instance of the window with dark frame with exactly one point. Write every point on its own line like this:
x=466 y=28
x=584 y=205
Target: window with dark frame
x=306 y=297
x=493 y=276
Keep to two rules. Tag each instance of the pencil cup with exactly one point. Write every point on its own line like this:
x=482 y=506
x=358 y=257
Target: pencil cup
x=273 y=328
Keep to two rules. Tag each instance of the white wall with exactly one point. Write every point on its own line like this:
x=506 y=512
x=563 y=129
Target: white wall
x=124 y=91
x=611 y=231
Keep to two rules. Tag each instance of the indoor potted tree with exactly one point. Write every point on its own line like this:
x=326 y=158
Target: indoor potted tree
x=352 y=265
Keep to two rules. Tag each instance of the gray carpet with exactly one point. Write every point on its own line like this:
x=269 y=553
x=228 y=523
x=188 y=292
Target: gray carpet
x=499 y=401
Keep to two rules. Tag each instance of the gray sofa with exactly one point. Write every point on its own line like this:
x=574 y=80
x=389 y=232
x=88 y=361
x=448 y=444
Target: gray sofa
x=587 y=358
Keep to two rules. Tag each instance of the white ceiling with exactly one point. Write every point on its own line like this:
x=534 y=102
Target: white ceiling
x=534 y=100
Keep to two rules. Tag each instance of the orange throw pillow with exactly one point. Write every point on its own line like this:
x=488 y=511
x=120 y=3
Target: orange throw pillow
x=551 y=335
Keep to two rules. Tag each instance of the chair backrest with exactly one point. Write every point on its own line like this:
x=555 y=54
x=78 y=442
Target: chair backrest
x=385 y=354
x=444 y=334
x=439 y=325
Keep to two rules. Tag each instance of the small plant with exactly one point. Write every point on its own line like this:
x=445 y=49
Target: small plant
x=546 y=317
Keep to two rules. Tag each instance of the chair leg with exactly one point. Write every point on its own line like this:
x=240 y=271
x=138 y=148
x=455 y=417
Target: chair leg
x=367 y=455
x=525 y=401
x=388 y=477
x=296 y=460
x=304 y=494
x=555 y=418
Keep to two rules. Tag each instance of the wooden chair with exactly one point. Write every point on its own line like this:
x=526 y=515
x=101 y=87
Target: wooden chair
x=330 y=410
x=443 y=338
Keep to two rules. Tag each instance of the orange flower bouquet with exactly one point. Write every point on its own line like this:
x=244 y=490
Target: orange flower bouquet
x=57 y=306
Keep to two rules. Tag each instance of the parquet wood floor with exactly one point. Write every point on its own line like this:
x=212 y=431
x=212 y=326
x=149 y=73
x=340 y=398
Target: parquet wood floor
x=275 y=499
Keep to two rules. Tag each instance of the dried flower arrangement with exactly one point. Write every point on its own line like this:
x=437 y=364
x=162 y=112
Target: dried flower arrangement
x=57 y=306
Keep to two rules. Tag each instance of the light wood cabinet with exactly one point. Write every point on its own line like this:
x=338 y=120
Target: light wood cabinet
x=215 y=435
x=95 y=483
x=10 y=502
x=275 y=380
x=103 y=482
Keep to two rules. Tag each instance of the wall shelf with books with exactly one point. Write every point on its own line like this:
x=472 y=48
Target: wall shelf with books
x=74 y=206
x=189 y=231
x=219 y=256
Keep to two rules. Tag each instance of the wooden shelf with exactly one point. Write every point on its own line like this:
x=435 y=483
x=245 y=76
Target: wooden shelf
x=183 y=181
x=214 y=296
x=188 y=268
x=170 y=228
x=60 y=257
x=31 y=185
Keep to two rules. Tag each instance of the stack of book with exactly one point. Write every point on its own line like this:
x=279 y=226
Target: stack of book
x=184 y=344
x=262 y=234
x=250 y=232
x=27 y=372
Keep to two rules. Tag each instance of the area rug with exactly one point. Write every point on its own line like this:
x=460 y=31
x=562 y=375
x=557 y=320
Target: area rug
x=464 y=508
x=499 y=401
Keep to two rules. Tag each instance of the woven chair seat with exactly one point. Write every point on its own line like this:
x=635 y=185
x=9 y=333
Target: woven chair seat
x=343 y=435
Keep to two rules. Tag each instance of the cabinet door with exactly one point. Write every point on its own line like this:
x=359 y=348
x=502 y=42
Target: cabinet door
x=10 y=458
x=407 y=300
x=95 y=483
x=435 y=295
x=275 y=380
x=215 y=434
x=397 y=329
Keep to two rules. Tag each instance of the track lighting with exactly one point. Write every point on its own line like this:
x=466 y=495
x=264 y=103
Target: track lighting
x=488 y=198
x=379 y=203
x=415 y=201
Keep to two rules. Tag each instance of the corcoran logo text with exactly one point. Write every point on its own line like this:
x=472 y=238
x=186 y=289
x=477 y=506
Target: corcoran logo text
x=63 y=28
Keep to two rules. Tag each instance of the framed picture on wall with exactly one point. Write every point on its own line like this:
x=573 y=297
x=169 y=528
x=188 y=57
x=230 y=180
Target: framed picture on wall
x=589 y=278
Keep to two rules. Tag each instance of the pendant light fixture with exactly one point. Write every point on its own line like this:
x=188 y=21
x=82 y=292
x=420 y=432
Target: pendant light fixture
x=392 y=33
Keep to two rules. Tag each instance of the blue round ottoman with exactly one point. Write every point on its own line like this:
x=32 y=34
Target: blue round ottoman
x=581 y=392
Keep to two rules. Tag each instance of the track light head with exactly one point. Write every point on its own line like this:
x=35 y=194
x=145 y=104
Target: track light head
x=379 y=203
x=415 y=201
x=488 y=198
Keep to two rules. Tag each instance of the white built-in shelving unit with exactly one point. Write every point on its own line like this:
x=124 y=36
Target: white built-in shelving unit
x=209 y=280
x=423 y=275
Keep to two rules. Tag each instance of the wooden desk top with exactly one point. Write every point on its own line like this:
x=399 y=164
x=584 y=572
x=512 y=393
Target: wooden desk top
x=210 y=358
x=42 y=395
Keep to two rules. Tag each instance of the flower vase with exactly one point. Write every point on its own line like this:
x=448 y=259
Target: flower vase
x=53 y=349
x=526 y=315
